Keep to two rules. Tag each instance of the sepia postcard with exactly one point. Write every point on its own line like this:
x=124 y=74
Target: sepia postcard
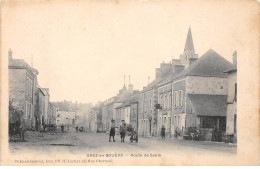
x=129 y=83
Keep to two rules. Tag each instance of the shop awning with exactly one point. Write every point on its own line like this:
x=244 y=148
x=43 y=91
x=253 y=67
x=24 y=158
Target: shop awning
x=208 y=105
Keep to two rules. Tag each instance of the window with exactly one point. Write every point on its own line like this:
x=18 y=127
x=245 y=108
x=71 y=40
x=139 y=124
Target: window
x=161 y=100
x=151 y=106
x=208 y=122
x=145 y=105
x=176 y=99
x=30 y=110
x=181 y=98
x=165 y=101
x=235 y=96
x=26 y=109
x=235 y=123
x=169 y=99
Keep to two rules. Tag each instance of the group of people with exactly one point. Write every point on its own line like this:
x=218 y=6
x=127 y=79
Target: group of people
x=122 y=131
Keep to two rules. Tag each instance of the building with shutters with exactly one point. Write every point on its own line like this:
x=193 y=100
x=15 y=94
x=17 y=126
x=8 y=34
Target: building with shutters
x=231 y=128
x=22 y=89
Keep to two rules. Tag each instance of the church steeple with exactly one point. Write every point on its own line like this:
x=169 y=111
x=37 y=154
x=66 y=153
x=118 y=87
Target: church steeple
x=189 y=52
x=189 y=42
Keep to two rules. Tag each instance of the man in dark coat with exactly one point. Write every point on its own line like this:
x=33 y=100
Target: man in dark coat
x=163 y=132
x=62 y=128
x=112 y=132
x=122 y=131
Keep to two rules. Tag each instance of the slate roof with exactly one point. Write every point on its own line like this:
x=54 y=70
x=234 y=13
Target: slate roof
x=123 y=97
x=63 y=107
x=233 y=69
x=20 y=63
x=166 y=77
x=41 y=91
x=209 y=105
x=210 y=64
x=126 y=103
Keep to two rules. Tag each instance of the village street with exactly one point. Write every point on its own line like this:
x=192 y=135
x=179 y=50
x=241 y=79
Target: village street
x=78 y=143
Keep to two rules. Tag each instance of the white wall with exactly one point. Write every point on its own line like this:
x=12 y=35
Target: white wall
x=206 y=85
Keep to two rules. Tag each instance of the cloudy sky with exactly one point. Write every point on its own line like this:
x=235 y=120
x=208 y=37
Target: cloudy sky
x=83 y=49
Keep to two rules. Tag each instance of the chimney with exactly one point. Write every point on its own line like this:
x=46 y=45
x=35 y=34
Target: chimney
x=165 y=67
x=179 y=68
x=191 y=60
x=130 y=86
x=10 y=53
x=158 y=73
x=235 y=58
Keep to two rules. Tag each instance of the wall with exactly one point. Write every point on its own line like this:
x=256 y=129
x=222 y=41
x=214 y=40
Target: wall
x=206 y=85
x=127 y=110
x=178 y=105
x=146 y=112
x=21 y=92
x=232 y=106
x=46 y=104
x=39 y=108
x=133 y=115
x=165 y=100
x=177 y=87
x=61 y=118
x=17 y=84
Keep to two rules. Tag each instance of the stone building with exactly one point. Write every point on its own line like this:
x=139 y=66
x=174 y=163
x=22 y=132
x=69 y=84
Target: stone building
x=231 y=128
x=165 y=92
x=46 y=103
x=123 y=112
x=51 y=114
x=188 y=93
x=110 y=111
x=134 y=111
x=148 y=98
x=22 y=89
x=39 y=108
x=199 y=95
x=68 y=119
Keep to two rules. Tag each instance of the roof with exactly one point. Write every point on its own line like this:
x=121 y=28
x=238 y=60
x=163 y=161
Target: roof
x=20 y=63
x=41 y=91
x=127 y=103
x=46 y=91
x=124 y=96
x=168 y=78
x=210 y=64
x=64 y=107
x=232 y=69
x=156 y=81
x=209 y=105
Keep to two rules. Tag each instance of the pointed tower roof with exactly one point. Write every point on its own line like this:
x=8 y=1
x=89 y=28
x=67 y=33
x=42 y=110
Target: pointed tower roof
x=189 y=42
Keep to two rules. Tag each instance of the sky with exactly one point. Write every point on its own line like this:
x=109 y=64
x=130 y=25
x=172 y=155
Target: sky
x=83 y=49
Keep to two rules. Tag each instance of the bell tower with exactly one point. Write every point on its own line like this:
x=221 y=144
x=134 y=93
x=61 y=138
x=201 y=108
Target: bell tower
x=189 y=52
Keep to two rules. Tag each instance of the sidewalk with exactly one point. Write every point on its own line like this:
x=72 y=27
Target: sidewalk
x=210 y=145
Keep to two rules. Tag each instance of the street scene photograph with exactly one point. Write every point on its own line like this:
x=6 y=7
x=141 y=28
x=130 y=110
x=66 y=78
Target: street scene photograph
x=124 y=82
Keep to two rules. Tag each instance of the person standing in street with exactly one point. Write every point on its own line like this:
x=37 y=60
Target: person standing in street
x=112 y=132
x=62 y=128
x=122 y=131
x=163 y=132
